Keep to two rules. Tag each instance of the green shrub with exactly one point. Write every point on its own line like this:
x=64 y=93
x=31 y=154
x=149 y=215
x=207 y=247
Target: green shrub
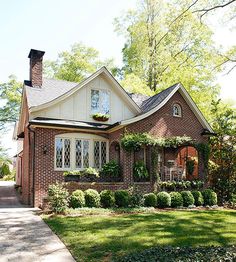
x=188 y=198
x=92 y=198
x=210 y=197
x=176 y=199
x=163 y=200
x=111 y=168
x=136 y=200
x=140 y=170
x=122 y=198
x=58 y=197
x=198 y=198
x=107 y=198
x=150 y=200
x=77 y=199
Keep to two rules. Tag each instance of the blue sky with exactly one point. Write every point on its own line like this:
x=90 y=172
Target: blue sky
x=54 y=25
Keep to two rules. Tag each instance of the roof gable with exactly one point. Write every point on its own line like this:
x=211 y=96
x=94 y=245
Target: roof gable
x=154 y=103
x=55 y=91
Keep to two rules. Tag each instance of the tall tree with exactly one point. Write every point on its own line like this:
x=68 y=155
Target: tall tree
x=10 y=93
x=167 y=43
x=76 y=64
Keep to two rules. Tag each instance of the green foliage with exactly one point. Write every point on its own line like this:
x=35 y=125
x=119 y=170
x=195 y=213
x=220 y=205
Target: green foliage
x=163 y=200
x=100 y=117
x=76 y=64
x=58 y=197
x=136 y=199
x=210 y=197
x=204 y=151
x=176 y=199
x=150 y=200
x=198 y=198
x=111 y=168
x=140 y=170
x=122 y=198
x=222 y=174
x=107 y=198
x=77 y=199
x=133 y=141
x=190 y=163
x=87 y=171
x=188 y=198
x=92 y=198
x=179 y=185
x=166 y=43
x=10 y=93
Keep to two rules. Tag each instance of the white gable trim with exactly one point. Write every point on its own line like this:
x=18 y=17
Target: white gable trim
x=103 y=70
x=186 y=97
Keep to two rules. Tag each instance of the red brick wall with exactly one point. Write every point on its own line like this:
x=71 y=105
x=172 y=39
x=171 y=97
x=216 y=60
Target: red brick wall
x=161 y=123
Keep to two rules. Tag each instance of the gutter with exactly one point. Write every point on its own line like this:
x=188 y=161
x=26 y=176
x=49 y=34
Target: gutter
x=33 y=160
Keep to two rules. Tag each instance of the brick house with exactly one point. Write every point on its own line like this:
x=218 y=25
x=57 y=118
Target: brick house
x=58 y=131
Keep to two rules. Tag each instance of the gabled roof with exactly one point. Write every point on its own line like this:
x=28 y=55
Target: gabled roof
x=153 y=104
x=54 y=91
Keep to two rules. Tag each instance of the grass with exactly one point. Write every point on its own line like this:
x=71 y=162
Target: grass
x=102 y=238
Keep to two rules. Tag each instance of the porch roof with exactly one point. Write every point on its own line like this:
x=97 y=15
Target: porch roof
x=41 y=121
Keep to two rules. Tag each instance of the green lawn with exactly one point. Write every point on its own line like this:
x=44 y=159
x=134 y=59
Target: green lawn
x=100 y=238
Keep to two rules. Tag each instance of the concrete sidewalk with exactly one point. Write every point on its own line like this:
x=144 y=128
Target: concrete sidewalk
x=23 y=234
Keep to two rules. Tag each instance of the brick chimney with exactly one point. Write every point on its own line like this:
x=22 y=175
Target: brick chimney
x=36 y=67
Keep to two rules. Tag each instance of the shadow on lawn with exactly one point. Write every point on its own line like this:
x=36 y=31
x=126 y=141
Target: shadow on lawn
x=94 y=238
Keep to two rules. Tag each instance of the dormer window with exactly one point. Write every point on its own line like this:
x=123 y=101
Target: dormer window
x=177 y=110
x=100 y=102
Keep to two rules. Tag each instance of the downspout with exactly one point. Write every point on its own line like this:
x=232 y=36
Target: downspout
x=33 y=160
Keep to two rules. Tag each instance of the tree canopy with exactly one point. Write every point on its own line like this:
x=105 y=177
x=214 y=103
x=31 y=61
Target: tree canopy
x=76 y=64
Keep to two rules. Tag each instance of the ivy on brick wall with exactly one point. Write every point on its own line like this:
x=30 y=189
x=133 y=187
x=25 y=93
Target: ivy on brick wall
x=133 y=141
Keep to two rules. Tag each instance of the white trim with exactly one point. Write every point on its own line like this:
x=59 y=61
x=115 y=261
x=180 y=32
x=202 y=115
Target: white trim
x=83 y=83
x=83 y=137
x=186 y=97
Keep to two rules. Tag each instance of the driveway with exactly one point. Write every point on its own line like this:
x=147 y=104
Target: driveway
x=23 y=234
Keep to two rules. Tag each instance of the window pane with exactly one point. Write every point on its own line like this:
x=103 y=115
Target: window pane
x=85 y=153
x=94 y=101
x=67 y=153
x=58 y=152
x=78 y=154
x=103 y=153
x=96 y=154
x=105 y=102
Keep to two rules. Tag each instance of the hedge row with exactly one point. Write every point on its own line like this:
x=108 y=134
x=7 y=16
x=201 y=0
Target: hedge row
x=122 y=198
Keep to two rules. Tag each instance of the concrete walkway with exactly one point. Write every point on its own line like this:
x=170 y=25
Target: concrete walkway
x=24 y=237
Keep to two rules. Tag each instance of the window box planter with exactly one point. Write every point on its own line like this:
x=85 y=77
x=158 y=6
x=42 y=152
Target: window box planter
x=100 y=117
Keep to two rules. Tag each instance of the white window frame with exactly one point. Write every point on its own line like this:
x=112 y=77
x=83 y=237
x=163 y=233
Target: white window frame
x=79 y=136
x=179 y=110
x=100 y=105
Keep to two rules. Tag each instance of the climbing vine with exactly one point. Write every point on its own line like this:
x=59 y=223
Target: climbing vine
x=204 y=151
x=133 y=141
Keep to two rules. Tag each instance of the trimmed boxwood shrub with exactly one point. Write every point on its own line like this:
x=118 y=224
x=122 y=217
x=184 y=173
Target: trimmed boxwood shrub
x=58 y=197
x=150 y=200
x=77 y=199
x=107 y=198
x=122 y=198
x=163 y=200
x=176 y=199
x=188 y=198
x=198 y=198
x=136 y=200
x=92 y=198
x=210 y=197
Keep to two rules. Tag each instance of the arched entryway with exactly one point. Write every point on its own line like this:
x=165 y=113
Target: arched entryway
x=187 y=158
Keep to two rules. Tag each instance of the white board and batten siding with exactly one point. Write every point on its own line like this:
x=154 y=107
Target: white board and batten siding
x=78 y=106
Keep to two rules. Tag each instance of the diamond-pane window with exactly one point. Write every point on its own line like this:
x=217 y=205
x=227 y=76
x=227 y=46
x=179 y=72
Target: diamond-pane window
x=85 y=153
x=103 y=153
x=67 y=153
x=58 y=152
x=96 y=154
x=78 y=154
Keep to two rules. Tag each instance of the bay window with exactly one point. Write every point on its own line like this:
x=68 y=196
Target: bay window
x=80 y=151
